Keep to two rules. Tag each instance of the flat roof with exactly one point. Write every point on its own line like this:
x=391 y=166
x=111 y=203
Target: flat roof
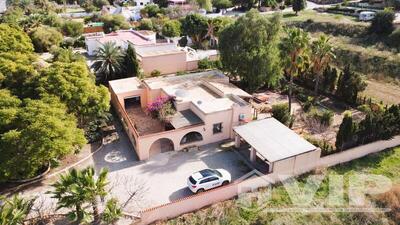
x=158 y=49
x=273 y=140
x=131 y=36
x=125 y=85
x=185 y=118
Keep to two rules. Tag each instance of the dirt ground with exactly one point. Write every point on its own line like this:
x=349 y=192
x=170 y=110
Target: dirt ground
x=387 y=92
x=306 y=126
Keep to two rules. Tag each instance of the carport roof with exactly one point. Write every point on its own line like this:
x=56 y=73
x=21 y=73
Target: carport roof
x=273 y=140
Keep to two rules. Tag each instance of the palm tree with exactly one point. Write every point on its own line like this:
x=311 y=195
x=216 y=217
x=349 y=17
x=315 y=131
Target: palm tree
x=13 y=211
x=77 y=188
x=112 y=212
x=295 y=55
x=322 y=54
x=70 y=194
x=94 y=188
x=109 y=62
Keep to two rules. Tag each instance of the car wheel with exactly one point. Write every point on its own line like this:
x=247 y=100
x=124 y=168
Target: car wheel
x=225 y=183
x=200 y=190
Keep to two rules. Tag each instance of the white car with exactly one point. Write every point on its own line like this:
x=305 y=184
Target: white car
x=207 y=179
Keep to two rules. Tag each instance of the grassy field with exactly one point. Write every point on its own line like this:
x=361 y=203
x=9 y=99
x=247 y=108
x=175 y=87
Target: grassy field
x=233 y=212
x=387 y=92
x=319 y=17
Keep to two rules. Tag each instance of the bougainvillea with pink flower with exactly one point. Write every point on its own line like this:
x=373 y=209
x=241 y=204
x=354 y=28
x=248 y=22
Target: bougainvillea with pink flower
x=155 y=107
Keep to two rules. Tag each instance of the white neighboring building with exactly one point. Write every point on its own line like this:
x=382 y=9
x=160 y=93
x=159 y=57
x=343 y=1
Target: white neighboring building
x=3 y=6
x=142 y=2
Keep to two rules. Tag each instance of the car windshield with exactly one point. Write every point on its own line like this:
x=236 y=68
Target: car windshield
x=209 y=172
x=192 y=180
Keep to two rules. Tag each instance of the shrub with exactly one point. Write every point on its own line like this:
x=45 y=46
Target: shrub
x=155 y=73
x=281 y=113
x=43 y=38
x=326 y=117
x=394 y=38
x=146 y=24
x=150 y=10
x=383 y=22
x=113 y=23
x=346 y=132
x=325 y=146
x=72 y=28
x=349 y=85
x=183 y=41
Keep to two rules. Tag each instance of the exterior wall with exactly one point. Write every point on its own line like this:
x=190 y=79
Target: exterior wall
x=298 y=164
x=192 y=65
x=166 y=64
x=306 y=162
x=91 y=46
x=358 y=152
x=140 y=92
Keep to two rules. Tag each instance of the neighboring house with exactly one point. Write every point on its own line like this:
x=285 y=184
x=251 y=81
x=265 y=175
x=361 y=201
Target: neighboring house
x=165 y=57
x=3 y=6
x=129 y=13
x=207 y=109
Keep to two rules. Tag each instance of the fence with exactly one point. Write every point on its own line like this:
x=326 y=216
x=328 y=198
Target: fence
x=198 y=201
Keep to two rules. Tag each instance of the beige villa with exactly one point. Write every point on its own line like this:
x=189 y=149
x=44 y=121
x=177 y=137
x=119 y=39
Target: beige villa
x=207 y=108
x=164 y=57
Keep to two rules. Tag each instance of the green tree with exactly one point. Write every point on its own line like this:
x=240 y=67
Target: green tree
x=146 y=24
x=14 y=39
x=382 y=23
x=249 y=49
x=294 y=52
x=113 y=23
x=108 y=63
x=205 y=4
x=40 y=131
x=347 y=130
x=43 y=38
x=150 y=10
x=112 y=212
x=322 y=54
x=349 y=85
x=14 y=210
x=72 y=28
x=18 y=73
x=131 y=63
x=195 y=26
x=222 y=4
x=74 y=85
x=171 y=28
x=298 y=5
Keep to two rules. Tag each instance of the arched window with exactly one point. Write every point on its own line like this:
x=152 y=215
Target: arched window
x=191 y=137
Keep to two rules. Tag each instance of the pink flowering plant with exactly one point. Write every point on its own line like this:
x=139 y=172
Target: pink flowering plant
x=161 y=108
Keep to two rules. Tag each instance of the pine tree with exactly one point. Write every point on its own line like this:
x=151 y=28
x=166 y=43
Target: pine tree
x=346 y=131
x=131 y=63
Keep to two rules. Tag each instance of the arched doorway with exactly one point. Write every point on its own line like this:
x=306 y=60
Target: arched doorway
x=191 y=137
x=160 y=146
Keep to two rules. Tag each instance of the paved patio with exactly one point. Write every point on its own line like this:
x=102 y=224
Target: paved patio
x=156 y=181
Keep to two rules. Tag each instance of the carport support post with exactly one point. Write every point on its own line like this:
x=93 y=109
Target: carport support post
x=237 y=141
x=252 y=154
